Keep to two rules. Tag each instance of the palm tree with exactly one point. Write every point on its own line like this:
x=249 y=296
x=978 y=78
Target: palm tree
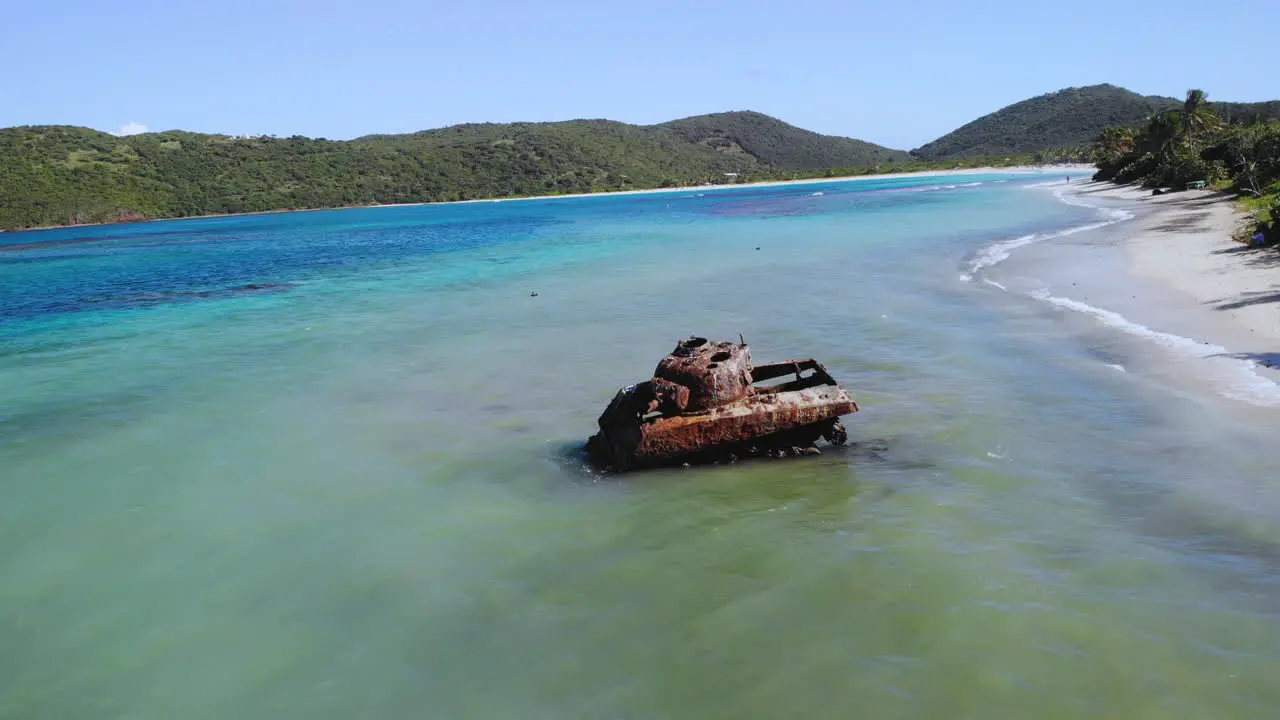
x=1196 y=117
x=1116 y=141
x=1162 y=132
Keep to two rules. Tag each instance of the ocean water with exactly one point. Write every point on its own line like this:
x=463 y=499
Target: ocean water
x=327 y=465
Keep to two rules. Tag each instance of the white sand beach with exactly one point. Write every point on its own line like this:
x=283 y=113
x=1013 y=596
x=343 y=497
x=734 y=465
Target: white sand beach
x=1051 y=170
x=1195 y=290
x=1189 y=245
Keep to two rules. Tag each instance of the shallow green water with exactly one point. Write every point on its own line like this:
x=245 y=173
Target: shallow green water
x=359 y=493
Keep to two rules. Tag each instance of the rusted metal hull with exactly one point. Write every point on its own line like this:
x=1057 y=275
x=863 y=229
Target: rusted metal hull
x=751 y=427
x=651 y=424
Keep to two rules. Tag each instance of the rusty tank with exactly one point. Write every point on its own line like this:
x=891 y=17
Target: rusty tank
x=707 y=402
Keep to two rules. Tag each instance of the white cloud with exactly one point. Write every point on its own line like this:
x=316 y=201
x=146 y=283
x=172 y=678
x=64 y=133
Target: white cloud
x=133 y=128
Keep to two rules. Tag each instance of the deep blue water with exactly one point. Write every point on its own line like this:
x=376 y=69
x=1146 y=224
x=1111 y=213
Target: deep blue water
x=80 y=269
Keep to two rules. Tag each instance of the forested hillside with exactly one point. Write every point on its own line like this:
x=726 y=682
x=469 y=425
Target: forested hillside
x=1065 y=118
x=778 y=144
x=1070 y=118
x=59 y=174
x=55 y=175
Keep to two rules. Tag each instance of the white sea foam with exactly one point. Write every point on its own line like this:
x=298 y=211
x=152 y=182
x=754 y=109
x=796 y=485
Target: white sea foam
x=995 y=253
x=814 y=194
x=998 y=251
x=1237 y=379
x=1114 y=214
x=933 y=188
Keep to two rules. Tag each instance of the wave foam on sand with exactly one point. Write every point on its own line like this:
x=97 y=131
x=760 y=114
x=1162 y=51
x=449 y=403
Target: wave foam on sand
x=998 y=252
x=1237 y=378
x=1232 y=377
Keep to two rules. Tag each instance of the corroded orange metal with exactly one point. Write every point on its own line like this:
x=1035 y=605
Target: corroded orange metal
x=703 y=403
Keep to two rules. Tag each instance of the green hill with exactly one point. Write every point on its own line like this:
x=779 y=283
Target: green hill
x=52 y=175
x=776 y=143
x=1065 y=118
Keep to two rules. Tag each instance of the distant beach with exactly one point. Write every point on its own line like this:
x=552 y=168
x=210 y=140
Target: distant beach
x=1017 y=170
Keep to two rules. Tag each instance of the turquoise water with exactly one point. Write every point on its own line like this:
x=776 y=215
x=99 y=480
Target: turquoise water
x=326 y=465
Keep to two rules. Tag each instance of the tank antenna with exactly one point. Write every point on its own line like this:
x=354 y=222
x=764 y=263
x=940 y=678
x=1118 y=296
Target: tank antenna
x=741 y=341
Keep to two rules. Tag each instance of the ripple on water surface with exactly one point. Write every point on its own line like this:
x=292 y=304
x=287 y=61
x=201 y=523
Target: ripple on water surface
x=362 y=495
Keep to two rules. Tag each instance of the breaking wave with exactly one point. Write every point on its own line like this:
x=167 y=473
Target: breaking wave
x=933 y=188
x=1233 y=377
x=994 y=253
x=997 y=252
x=1238 y=379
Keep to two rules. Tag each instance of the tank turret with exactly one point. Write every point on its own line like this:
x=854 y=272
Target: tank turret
x=716 y=373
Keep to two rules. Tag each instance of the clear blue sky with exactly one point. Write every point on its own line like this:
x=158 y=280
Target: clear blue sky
x=897 y=73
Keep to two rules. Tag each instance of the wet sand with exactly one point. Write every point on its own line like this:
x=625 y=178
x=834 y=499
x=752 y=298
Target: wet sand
x=1187 y=242
x=1160 y=283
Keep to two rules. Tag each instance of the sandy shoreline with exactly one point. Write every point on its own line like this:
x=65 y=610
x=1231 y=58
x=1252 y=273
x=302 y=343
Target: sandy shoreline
x=1015 y=170
x=1212 y=303
x=1189 y=244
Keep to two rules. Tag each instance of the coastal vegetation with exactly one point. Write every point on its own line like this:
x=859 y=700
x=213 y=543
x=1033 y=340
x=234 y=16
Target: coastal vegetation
x=56 y=175
x=1198 y=141
x=63 y=175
